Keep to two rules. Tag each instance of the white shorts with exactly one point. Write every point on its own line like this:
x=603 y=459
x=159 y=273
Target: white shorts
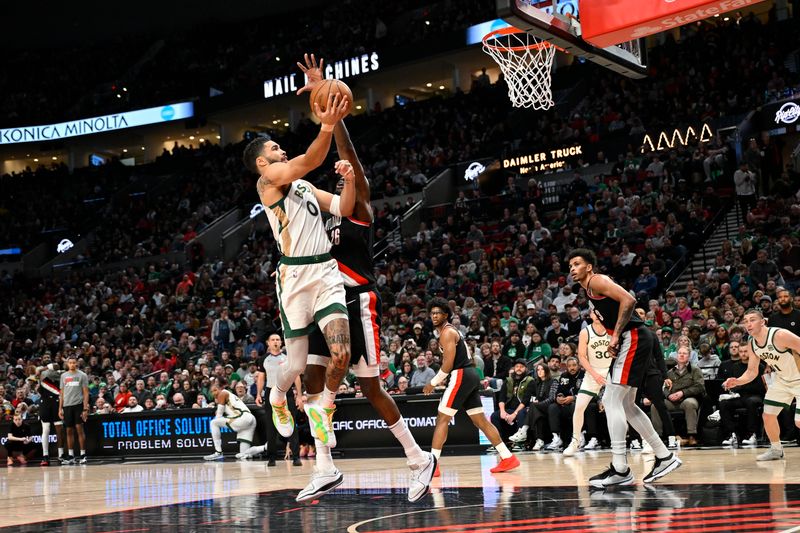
x=244 y=426
x=309 y=290
x=780 y=395
x=589 y=385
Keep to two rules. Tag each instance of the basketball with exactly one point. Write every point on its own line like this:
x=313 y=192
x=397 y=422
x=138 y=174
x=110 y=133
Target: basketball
x=321 y=93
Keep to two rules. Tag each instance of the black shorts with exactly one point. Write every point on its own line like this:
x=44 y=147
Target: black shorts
x=638 y=349
x=72 y=415
x=364 y=311
x=48 y=412
x=463 y=391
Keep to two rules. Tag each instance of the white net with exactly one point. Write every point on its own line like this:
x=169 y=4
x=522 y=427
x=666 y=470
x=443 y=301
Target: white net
x=526 y=63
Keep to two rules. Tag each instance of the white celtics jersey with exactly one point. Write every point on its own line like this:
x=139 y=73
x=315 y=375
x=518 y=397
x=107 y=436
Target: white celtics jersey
x=297 y=224
x=784 y=362
x=234 y=407
x=597 y=350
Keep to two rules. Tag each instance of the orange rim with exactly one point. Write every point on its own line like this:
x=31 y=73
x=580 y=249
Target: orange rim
x=512 y=30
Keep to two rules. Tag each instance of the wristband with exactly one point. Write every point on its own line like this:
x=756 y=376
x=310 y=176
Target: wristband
x=335 y=208
x=437 y=380
x=327 y=128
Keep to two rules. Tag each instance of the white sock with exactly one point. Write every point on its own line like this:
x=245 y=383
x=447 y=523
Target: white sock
x=400 y=430
x=777 y=445
x=277 y=396
x=61 y=452
x=324 y=459
x=83 y=452
x=46 y=439
x=327 y=397
x=619 y=459
x=244 y=446
x=502 y=449
x=216 y=435
x=436 y=453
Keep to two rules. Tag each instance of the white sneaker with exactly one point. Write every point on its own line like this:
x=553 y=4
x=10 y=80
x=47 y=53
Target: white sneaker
x=731 y=441
x=538 y=445
x=520 y=436
x=321 y=483
x=673 y=443
x=592 y=444
x=421 y=476
x=715 y=416
x=283 y=419
x=555 y=444
x=636 y=445
x=216 y=456
x=770 y=455
x=646 y=448
x=572 y=449
x=321 y=421
x=752 y=441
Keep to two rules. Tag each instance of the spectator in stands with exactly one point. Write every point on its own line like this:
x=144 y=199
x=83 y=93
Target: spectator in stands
x=512 y=411
x=102 y=407
x=514 y=348
x=688 y=389
x=254 y=345
x=497 y=365
x=537 y=351
x=19 y=442
x=560 y=412
x=539 y=395
x=133 y=406
x=646 y=282
x=787 y=316
x=749 y=396
x=178 y=401
x=745 y=181
x=222 y=332
x=386 y=374
x=423 y=374
x=241 y=393
x=708 y=362
x=763 y=269
x=555 y=334
x=122 y=397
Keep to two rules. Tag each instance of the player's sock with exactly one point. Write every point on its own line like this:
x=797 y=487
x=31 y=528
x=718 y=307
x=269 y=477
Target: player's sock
x=61 y=452
x=614 y=400
x=436 y=453
x=277 y=396
x=776 y=446
x=328 y=396
x=216 y=436
x=45 y=438
x=642 y=424
x=83 y=452
x=324 y=459
x=502 y=449
x=244 y=446
x=400 y=431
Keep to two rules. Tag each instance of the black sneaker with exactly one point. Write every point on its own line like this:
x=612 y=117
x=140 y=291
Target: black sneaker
x=271 y=461
x=68 y=460
x=45 y=461
x=610 y=478
x=662 y=467
x=81 y=460
x=297 y=462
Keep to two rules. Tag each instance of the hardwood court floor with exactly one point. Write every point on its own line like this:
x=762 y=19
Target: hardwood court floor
x=715 y=490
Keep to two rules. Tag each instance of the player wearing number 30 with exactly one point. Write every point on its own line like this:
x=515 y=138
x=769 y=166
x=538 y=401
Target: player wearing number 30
x=780 y=349
x=309 y=286
x=231 y=413
x=595 y=359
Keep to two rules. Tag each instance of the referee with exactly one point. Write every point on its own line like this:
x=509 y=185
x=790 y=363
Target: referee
x=268 y=373
x=73 y=408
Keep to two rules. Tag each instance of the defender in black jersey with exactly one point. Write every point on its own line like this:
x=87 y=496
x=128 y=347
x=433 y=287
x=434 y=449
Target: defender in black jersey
x=463 y=390
x=351 y=238
x=634 y=349
x=49 y=383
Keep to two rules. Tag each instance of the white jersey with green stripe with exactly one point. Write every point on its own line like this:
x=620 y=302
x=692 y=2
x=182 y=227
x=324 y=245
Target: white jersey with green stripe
x=234 y=406
x=296 y=221
x=597 y=350
x=785 y=362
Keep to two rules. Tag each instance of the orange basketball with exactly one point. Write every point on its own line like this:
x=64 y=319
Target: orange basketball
x=326 y=88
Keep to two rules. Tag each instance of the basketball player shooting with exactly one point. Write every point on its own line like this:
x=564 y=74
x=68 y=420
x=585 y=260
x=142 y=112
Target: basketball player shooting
x=309 y=286
x=351 y=238
x=633 y=348
x=780 y=349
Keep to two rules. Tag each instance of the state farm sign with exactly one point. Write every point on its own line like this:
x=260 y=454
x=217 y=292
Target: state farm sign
x=609 y=22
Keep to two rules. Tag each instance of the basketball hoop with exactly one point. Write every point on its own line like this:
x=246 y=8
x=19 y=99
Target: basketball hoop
x=526 y=63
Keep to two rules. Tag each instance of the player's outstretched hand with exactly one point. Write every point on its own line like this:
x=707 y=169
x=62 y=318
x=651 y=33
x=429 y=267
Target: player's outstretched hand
x=312 y=71
x=338 y=107
x=344 y=168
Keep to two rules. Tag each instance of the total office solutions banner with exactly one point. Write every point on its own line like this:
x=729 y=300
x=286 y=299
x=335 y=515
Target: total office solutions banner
x=88 y=126
x=186 y=432
x=609 y=22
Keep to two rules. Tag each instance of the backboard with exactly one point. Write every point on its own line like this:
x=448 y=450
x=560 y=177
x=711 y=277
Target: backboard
x=558 y=21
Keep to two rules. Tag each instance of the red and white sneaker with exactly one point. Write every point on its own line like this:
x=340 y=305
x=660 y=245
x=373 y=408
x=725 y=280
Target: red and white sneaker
x=437 y=473
x=509 y=463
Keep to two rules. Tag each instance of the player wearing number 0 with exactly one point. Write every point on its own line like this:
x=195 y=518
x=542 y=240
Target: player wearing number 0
x=462 y=389
x=780 y=349
x=309 y=286
x=633 y=348
x=594 y=357
x=352 y=248
x=231 y=413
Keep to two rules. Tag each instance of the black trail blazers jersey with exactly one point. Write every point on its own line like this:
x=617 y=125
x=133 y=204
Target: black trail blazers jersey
x=352 y=249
